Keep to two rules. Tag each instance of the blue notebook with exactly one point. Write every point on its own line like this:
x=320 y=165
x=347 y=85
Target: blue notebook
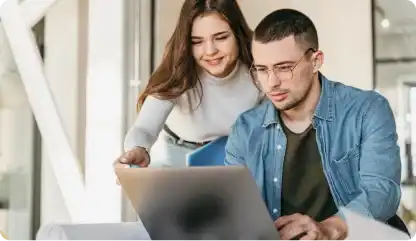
x=212 y=154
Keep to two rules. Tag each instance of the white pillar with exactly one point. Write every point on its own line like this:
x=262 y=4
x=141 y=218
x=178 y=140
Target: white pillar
x=62 y=69
x=34 y=10
x=105 y=101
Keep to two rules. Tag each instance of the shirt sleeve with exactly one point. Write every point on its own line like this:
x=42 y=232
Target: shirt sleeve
x=148 y=124
x=234 y=149
x=380 y=165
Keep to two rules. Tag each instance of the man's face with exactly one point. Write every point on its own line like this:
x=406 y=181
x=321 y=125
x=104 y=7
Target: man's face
x=284 y=71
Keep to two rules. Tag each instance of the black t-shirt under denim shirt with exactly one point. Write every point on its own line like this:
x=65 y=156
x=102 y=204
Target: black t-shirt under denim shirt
x=305 y=189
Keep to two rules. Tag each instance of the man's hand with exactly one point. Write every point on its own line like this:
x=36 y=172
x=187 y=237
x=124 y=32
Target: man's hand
x=298 y=226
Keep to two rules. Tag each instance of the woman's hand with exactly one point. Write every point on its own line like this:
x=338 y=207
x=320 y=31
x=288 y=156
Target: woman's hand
x=137 y=156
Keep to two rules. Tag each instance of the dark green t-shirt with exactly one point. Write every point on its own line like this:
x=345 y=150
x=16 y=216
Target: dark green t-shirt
x=305 y=189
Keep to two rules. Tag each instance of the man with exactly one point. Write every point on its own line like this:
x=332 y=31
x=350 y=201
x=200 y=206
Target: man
x=315 y=145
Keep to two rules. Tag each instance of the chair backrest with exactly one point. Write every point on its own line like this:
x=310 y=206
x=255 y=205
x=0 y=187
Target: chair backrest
x=212 y=154
x=397 y=222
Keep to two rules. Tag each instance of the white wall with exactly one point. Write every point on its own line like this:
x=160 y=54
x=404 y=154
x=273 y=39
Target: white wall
x=166 y=14
x=346 y=41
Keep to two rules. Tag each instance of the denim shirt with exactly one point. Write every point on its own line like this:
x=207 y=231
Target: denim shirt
x=357 y=141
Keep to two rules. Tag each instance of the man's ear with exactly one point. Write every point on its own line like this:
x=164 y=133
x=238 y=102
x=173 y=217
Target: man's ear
x=318 y=60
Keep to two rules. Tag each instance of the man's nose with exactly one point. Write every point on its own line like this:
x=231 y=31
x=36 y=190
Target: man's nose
x=273 y=80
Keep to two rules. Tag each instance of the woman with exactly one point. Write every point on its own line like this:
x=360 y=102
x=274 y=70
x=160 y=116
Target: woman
x=199 y=89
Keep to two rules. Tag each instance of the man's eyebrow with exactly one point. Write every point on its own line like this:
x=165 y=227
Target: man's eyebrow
x=276 y=64
x=215 y=35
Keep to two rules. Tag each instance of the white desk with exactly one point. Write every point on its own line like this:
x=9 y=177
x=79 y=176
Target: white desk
x=99 y=231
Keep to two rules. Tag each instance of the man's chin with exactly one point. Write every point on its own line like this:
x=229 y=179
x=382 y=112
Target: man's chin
x=283 y=105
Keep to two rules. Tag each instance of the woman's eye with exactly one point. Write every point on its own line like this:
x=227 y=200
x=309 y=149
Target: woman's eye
x=222 y=37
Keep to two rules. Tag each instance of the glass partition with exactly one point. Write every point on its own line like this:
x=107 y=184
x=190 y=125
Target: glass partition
x=17 y=138
x=395 y=77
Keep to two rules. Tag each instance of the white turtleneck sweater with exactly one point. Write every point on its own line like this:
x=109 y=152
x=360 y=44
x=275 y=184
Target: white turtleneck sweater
x=223 y=100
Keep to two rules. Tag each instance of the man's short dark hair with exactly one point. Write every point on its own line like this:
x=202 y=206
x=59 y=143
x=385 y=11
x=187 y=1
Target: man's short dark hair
x=283 y=23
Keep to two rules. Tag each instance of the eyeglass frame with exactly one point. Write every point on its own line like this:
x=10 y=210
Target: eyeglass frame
x=268 y=70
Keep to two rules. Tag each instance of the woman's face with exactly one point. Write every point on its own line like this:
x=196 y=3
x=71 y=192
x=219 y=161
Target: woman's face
x=214 y=45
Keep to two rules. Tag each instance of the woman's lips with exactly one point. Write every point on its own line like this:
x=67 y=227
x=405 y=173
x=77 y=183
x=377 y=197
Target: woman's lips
x=214 y=62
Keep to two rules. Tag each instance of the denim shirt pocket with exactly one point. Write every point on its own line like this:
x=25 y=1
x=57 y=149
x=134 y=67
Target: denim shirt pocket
x=346 y=170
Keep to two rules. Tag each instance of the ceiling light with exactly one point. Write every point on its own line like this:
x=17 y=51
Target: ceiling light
x=385 y=23
x=413 y=1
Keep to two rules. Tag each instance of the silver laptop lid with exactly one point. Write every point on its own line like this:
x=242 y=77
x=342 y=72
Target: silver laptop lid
x=198 y=203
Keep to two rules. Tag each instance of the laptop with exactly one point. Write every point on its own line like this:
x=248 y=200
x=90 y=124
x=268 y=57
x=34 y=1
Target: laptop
x=216 y=202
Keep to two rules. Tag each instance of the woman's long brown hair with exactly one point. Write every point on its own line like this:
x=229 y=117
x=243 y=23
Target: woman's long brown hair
x=177 y=72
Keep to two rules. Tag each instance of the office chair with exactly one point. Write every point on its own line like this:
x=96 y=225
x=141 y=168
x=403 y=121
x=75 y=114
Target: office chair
x=211 y=154
x=397 y=222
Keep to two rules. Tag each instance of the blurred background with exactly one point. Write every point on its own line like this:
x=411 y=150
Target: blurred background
x=96 y=55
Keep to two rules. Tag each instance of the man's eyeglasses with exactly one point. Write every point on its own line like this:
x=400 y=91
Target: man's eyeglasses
x=283 y=73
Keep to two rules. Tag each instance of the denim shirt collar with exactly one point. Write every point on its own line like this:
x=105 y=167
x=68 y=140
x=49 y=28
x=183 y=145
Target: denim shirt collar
x=324 y=109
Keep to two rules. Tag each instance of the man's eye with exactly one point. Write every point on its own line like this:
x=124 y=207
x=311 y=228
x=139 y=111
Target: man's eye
x=284 y=68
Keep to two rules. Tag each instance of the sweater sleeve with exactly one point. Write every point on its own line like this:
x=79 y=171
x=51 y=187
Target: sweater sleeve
x=148 y=124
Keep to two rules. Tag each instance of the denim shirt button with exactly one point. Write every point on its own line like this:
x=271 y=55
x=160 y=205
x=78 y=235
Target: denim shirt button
x=274 y=210
x=279 y=147
x=275 y=179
